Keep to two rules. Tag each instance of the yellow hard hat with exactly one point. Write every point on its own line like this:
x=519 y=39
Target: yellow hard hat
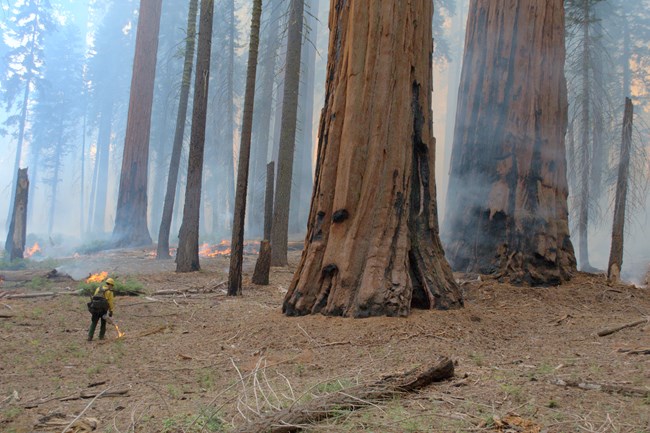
x=110 y=282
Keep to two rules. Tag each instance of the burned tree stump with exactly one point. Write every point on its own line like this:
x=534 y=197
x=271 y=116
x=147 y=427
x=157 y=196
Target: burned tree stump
x=15 y=244
x=263 y=264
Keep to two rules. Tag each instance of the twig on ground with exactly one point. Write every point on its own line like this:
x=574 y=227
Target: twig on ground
x=604 y=387
x=90 y=404
x=610 y=331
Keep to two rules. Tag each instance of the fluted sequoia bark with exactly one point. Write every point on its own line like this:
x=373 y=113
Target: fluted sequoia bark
x=372 y=246
x=507 y=211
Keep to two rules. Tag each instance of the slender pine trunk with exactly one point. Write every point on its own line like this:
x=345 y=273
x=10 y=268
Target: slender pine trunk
x=237 y=244
x=279 y=234
x=162 y=251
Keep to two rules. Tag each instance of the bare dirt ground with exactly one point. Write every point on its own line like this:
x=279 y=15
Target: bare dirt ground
x=203 y=361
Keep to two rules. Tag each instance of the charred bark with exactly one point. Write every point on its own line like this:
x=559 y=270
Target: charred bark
x=162 y=251
x=187 y=258
x=237 y=244
x=381 y=254
x=15 y=243
x=616 y=251
x=263 y=263
x=507 y=213
x=131 y=215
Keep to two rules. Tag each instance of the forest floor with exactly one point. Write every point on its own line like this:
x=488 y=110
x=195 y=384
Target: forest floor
x=217 y=361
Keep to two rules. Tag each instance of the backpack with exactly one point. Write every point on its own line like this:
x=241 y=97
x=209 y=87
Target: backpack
x=98 y=305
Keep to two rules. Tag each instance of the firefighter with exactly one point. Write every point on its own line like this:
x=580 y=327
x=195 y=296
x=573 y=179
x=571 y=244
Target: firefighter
x=101 y=307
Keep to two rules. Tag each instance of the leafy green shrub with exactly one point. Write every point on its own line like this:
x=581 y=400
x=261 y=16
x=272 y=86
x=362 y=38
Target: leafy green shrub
x=126 y=287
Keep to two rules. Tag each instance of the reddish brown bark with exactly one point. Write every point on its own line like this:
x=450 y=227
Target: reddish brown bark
x=507 y=212
x=131 y=215
x=372 y=245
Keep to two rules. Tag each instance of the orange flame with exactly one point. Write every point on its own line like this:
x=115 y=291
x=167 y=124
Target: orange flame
x=32 y=250
x=221 y=249
x=97 y=278
x=120 y=334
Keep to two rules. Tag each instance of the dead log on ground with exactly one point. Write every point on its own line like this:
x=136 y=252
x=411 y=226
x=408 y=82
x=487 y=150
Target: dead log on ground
x=29 y=275
x=609 y=331
x=292 y=418
x=30 y=295
x=629 y=391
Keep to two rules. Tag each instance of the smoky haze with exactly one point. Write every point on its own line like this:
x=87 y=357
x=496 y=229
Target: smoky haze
x=77 y=69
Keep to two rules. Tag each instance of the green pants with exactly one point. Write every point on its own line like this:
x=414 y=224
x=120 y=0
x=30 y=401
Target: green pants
x=93 y=324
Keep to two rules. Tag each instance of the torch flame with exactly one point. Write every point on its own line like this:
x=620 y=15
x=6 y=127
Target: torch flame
x=120 y=334
x=32 y=250
x=97 y=278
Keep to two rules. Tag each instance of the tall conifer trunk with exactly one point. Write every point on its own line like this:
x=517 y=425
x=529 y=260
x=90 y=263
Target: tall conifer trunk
x=507 y=209
x=282 y=203
x=162 y=251
x=131 y=215
x=236 y=256
x=187 y=258
x=372 y=245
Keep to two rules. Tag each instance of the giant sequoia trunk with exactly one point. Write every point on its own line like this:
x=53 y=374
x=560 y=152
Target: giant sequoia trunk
x=507 y=211
x=372 y=245
x=131 y=215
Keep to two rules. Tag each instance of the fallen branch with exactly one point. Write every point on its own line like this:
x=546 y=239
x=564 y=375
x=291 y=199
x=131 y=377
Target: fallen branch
x=609 y=331
x=87 y=407
x=292 y=418
x=95 y=394
x=29 y=275
x=643 y=351
x=30 y=295
x=604 y=387
x=167 y=292
x=5 y=316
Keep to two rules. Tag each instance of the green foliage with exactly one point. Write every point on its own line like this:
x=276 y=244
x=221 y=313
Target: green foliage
x=37 y=283
x=94 y=247
x=12 y=265
x=11 y=413
x=333 y=386
x=127 y=287
x=205 y=421
x=206 y=379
